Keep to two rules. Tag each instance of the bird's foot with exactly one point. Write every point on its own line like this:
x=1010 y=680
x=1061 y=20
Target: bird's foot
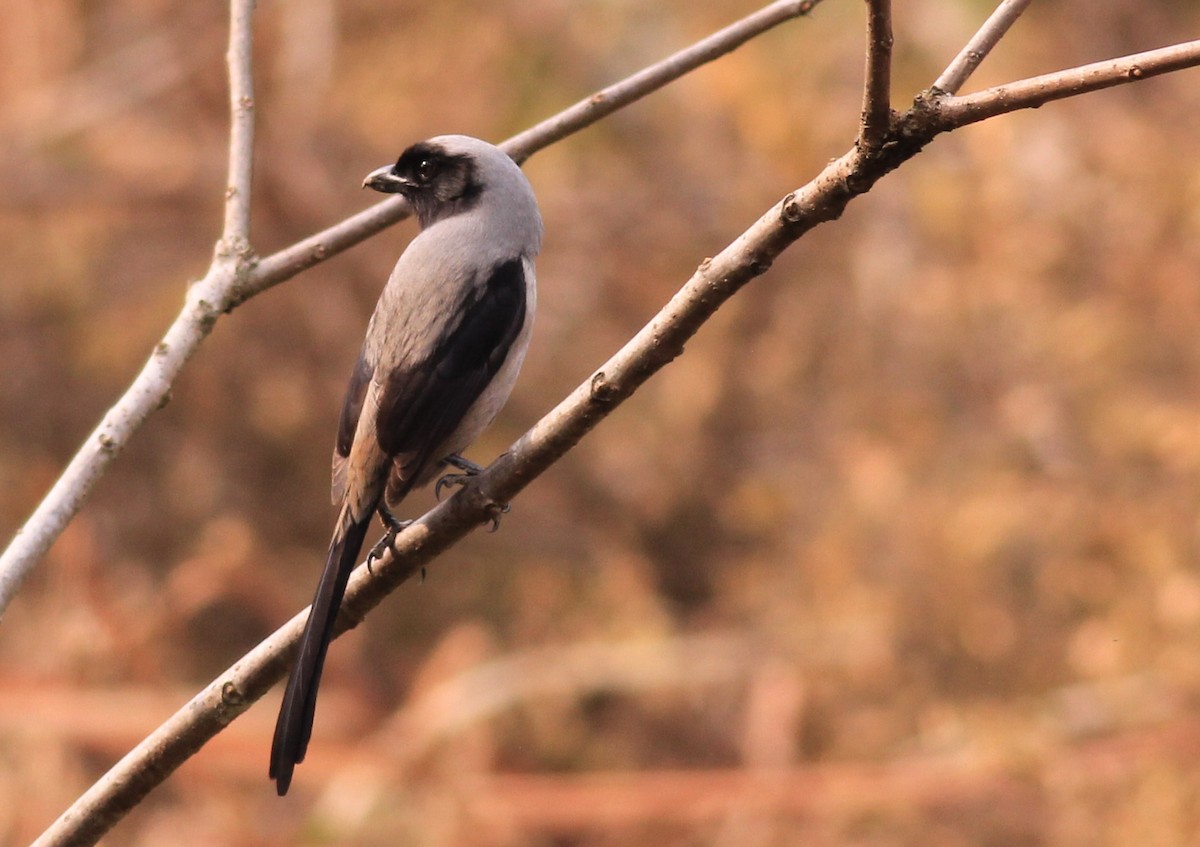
x=469 y=469
x=394 y=527
x=448 y=480
x=495 y=510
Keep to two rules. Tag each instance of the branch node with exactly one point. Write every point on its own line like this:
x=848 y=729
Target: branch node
x=790 y=210
x=207 y=317
x=602 y=391
x=231 y=695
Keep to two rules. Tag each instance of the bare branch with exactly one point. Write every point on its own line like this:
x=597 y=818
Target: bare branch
x=877 y=94
x=980 y=45
x=285 y=264
x=608 y=100
x=1030 y=93
x=235 y=239
x=227 y=285
x=146 y=765
x=658 y=343
x=150 y=390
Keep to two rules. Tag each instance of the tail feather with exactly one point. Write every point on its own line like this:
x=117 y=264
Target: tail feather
x=294 y=727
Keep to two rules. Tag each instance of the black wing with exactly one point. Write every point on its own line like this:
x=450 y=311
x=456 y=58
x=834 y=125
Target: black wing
x=356 y=393
x=424 y=402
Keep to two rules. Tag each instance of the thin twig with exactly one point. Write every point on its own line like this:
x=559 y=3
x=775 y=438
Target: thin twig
x=608 y=100
x=1033 y=92
x=224 y=287
x=235 y=238
x=877 y=88
x=206 y=300
x=980 y=45
x=285 y=264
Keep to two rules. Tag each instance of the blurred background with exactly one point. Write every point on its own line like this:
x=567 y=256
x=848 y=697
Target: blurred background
x=905 y=550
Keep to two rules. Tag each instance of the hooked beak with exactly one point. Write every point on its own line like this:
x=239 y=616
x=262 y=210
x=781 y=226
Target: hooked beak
x=384 y=180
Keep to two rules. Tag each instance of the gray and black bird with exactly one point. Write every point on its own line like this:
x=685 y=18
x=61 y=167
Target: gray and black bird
x=441 y=354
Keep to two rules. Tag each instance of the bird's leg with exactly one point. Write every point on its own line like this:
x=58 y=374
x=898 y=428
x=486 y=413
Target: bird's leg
x=394 y=526
x=469 y=469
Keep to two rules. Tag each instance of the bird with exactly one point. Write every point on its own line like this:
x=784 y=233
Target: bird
x=440 y=358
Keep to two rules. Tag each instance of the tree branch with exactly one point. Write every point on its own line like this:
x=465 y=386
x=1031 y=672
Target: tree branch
x=976 y=50
x=150 y=390
x=608 y=100
x=658 y=343
x=877 y=94
x=235 y=239
x=953 y=112
x=285 y=264
x=226 y=285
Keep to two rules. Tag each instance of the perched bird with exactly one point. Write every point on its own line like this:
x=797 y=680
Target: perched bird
x=440 y=358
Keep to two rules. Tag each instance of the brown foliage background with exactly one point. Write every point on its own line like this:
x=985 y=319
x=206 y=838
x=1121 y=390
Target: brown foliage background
x=903 y=551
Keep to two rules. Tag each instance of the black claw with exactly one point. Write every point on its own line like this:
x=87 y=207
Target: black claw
x=384 y=544
x=469 y=469
x=447 y=480
x=495 y=513
x=394 y=527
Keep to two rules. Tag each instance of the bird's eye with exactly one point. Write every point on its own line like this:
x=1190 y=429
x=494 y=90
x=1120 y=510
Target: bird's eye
x=426 y=170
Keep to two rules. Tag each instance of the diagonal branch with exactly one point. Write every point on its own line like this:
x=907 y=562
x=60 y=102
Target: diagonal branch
x=285 y=264
x=1030 y=93
x=877 y=94
x=656 y=345
x=227 y=285
x=608 y=100
x=659 y=342
x=977 y=49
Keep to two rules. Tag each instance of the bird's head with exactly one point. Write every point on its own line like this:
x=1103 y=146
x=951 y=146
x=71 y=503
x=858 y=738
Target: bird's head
x=451 y=174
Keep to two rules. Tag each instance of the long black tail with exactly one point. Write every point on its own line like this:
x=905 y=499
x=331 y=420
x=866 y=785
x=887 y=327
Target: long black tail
x=294 y=726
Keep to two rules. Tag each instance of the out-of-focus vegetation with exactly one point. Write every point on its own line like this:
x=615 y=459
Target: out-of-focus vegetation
x=905 y=550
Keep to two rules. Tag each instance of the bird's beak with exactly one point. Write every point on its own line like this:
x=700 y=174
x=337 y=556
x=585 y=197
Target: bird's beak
x=384 y=180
